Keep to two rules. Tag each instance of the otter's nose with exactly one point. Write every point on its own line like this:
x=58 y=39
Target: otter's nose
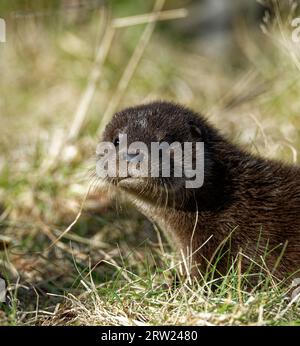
x=134 y=157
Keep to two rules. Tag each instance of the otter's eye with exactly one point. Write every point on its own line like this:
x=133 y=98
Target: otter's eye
x=116 y=141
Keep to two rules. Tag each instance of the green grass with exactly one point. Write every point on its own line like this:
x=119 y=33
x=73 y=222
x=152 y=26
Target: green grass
x=114 y=266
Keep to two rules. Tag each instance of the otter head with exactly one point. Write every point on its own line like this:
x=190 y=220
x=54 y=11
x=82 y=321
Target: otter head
x=136 y=132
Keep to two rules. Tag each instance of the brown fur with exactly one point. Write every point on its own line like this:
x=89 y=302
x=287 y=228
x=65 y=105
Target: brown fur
x=252 y=202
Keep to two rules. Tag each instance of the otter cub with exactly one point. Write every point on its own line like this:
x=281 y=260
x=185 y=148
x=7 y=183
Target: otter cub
x=247 y=205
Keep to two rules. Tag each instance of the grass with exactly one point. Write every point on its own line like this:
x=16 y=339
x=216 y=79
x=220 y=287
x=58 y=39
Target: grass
x=113 y=266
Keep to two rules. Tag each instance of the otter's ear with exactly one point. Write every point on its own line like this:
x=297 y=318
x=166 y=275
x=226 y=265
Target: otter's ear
x=195 y=130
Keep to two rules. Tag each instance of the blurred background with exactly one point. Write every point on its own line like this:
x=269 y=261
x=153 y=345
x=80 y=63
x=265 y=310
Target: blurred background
x=67 y=66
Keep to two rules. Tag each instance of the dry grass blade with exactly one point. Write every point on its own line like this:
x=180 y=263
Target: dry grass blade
x=132 y=65
x=86 y=99
x=73 y=223
x=87 y=96
x=149 y=17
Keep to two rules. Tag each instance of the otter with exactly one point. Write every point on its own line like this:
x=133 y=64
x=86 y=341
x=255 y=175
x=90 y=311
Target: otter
x=247 y=207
